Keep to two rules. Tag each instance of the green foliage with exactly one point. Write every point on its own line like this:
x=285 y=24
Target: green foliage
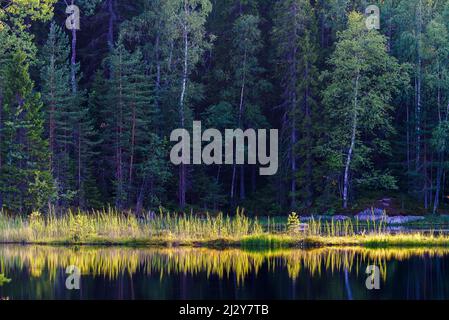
x=4 y=280
x=81 y=228
x=293 y=223
x=374 y=121
x=358 y=99
x=42 y=189
x=23 y=147
x=294 y=38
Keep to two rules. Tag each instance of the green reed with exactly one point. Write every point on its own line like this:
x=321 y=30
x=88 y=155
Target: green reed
x=346 y=228
x=113 y=226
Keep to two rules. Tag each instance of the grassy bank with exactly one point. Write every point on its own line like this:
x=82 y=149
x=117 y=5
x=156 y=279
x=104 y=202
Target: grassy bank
x=113 y=227
x=168 y=229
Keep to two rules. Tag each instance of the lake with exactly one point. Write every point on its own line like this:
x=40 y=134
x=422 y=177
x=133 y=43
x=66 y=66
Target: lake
x=39 y=272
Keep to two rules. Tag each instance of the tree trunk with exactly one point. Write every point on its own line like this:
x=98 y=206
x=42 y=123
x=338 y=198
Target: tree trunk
x=425 y=174
x=308 y=129
x=158 y=72
x=118 y=140
x=436 y=202
x=351 y=147
x=182 y=168
x=253 y=179
x=292 y=113
x=408 y=140
x=418 y=81
x=51 y=124
x=73 y=59
x=77 y=134
x=439 y=154
x=240 y=123
x=242 y=182
x=234 y=168
x=131 y=158
x=1 y=141
x=112 y=18
x=140 y=197
x=293 y=161
x=80 y=186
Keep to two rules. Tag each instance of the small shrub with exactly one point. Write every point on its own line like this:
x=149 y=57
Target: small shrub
x=37 y=223
x=81 y=228
x=293 y=223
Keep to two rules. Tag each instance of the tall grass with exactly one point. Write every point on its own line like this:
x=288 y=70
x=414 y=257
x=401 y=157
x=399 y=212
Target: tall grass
x=166 y=228
x=370 y=233
x=345 y=228
x=111 y=226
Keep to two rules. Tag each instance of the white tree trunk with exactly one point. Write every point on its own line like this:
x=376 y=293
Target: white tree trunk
x=352 y=145
x=182 y=169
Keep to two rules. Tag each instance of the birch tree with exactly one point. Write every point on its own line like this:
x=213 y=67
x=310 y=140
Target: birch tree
x=190 y=18
x=362 y=81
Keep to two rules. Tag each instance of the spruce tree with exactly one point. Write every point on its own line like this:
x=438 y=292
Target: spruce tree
x=58 y=102
x=294 y=37
x=24 y=150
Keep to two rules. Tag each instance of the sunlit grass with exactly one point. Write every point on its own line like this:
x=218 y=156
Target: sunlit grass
x=111 y=226
x=372 y=234
x=171 y=229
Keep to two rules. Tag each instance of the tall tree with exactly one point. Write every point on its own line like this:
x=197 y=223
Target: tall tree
x=24 y=149
x=132 y=122
x=190 y=17
x=436 y=80
x=59 y=101
x=358 y=105
x=294 y=37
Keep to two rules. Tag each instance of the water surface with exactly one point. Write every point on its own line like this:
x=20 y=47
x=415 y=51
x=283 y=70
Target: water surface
x=38 y=272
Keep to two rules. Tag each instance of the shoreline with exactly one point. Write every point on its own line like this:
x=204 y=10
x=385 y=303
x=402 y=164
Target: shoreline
x=262 y=242
x=113 y=228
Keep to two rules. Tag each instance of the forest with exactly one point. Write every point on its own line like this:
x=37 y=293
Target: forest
x=86 y=113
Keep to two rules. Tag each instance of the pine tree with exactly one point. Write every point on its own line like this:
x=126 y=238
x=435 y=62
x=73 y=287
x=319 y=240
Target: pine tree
x=132 y=123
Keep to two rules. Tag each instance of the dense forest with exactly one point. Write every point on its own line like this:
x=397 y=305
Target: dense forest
x=86 y=114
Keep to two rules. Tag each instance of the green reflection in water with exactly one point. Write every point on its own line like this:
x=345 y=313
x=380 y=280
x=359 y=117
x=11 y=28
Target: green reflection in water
x=113 y=262
x=4 y=280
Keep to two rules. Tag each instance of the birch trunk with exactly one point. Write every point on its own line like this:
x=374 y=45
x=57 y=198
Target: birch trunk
x=182 y=168
x=240 y=117
x=352 y=145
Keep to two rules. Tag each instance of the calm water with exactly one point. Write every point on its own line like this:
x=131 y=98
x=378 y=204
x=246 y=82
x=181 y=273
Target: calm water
x=33 y=272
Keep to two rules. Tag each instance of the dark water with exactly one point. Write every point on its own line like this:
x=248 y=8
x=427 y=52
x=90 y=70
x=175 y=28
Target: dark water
x=32 y=272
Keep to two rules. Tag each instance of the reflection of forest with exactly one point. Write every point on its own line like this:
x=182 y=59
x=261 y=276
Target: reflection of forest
x=112 y=262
